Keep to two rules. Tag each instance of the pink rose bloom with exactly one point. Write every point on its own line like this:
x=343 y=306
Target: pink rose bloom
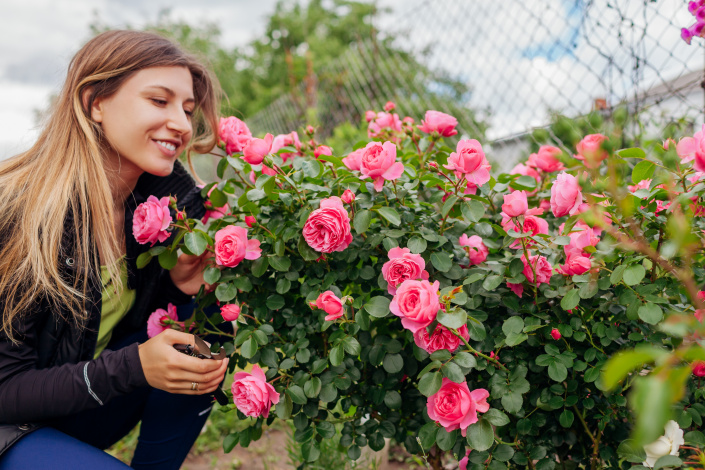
x=435 y=121
x=322 y=150
x=566 y=196
x=328 y=227
x=232 y=246
x=252 y=394
x=698 y=368
x=234 y=134
x=545 y=205
x=256 y=149
x=286 y=140
x=211 y=212
x=416 y=303
x=515 y=204
x=441 y=338
x=541 y=265
x=530 y=224
x=575 y=264
x=408 y=120
x=352 y=161
x=581 y=239
x=389 y=106
x=546 y=159
x=555 y=334
x=348 y=196
x=156 y=324
x=475 y=248
x=268 y=171
x=688 y=146
x=469 y=160
x=151 y=221
x=701 y=294
x=463 y=463
x=402 y=265
x=454 y=406
x=518 y=289
x=370 y=115
x=643 y=184
x=332 y=305
x=250 y=220
x=230 y=312
x=699 y=314
x=379 y=162
x=590 y=150
x=383 y=122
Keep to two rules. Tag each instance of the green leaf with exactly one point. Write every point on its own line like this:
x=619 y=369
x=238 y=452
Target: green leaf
x=512 y=402
x=312 y=387
x=211 y=275
x=624 y=362
x=392 y=399
x=472 y=210
x=230 y=442
x=256 y=194
x=480 y=435
x=571 y=299
x=503 y=453
x=259 y=266
x=651 y=398
x=430 y=383
x=643 y=171
x=629 y=451
x=557 y=371
x=393 y=363
x=311 y=168
x=633 y=274
x=516 y=266
x=275 y=302
x=448 y=205
x=326 y=429
x=634 y=152
x=297 y=394
x=225 y=292
x=513 y=325
x=566 y=418
x=650 y=313
x=306 y=252
x=351 y=346
x=417 y=245
x=354 y=452
x=390 y=214
x=525 y=183
x=453 y=319
x=668 y=461
x=496 y=417
x=446 y=440
x=452 y=372
x=378 y=306
x=249 y=348
x=310 y=450
x=280 y=263
x=328 y=393
x=168 y=259
x=427 y=435
x=196 y=242
x=466 y=360
x=361 y=222
x=441 y=261
x=516 y=338
x=336 y=355
x=617 y=274
x=143 y=259
x=491 y=282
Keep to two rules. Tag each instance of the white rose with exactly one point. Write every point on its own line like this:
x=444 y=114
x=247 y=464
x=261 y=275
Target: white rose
x=667 y=444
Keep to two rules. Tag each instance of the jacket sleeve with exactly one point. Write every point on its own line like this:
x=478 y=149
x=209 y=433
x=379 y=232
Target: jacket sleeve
x=28 y=394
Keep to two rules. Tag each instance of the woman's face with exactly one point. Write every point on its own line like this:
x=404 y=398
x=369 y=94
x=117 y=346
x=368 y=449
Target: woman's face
x=147 y=122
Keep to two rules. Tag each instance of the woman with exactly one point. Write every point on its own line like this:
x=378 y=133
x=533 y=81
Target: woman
x=69 y=285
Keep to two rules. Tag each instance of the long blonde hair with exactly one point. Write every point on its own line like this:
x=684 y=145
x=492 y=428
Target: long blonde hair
x=62 y=177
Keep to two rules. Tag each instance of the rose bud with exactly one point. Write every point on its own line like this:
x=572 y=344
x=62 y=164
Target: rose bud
x=555 y=334
x=389 y=106
x=250 y=220
x=310 y=130
x=348 y=196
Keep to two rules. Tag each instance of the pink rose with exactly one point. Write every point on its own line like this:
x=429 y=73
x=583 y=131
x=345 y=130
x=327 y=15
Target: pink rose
x=348 y=196
x=435 y=121
x=252 y=394
x=232 y=246
x=370 y=115
x=463 y=463
x=555 y=334
x=566 y=196
x=211 y=212
x=521 y=169
x=542 y=267
x=475 y=248
x=518 y=289
x=286 y=140
x=389 y=106
x=268 y=171
x=156 y=321
x=546 y=159
x=416 y=303
x=230 y=312
x=580 y=240
x=379 y=162
x=328 y=227
x=441 y=338
x=575 y=264
x=322 y=150
x=529 y=224
x=698 y=368
x=352 y=161
x=234 y=134
x=590 y=150
x=151 y=221
x=383 y=122
x=402 y=265
x=515 y=204
x=469 y=160
x=454 y=406
x=250 y=220
x=331 y=304
x=256 y=149
x=688 y=146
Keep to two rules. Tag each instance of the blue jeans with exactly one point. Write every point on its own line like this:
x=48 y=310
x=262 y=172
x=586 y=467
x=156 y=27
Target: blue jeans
x=170 y=425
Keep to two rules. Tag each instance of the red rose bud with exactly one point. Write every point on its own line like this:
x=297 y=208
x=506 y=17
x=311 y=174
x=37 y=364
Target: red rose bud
x=433 y=166
x=250 y=220
x=310 y=130
x=555 y=334
x=348 y=196
x=313 y=305
x=389 y=106
x=180 y=215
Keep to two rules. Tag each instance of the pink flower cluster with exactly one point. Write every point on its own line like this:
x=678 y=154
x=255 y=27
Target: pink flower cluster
x=697 y=9
x=252 y=394
x=454 y=406
x=474 y=247
x=693 y=149
x=151 y=221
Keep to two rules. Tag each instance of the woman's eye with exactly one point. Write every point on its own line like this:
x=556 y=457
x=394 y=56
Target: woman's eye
x=159 y=102
x=189 y=112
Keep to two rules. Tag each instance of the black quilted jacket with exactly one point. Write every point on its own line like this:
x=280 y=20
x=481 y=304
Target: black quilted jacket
x=52 y=373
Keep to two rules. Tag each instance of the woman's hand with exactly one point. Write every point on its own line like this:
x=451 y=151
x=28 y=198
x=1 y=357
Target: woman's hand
x=187 y=275
x=167 y=369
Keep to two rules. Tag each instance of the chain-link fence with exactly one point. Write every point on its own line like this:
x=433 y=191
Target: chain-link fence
x=503 y=67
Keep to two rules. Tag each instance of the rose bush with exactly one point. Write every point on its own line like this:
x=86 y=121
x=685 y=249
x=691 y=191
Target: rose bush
x=546 y=318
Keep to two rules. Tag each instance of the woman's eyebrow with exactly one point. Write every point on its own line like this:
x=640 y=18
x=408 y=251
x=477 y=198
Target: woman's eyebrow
x=170 y=92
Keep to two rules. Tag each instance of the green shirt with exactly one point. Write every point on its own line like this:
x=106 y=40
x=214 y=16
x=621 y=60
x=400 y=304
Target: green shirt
x=115 y=305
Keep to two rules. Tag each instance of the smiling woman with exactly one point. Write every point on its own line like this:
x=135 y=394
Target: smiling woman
x=74 y=354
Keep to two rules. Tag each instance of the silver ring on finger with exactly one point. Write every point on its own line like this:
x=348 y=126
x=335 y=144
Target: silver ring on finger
x=194 y=386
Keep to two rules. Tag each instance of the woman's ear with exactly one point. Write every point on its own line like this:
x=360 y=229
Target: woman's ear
x=94 y=108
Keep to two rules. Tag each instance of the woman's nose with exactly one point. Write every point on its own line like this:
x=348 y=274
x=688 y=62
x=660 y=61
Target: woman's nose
x=179 y=121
